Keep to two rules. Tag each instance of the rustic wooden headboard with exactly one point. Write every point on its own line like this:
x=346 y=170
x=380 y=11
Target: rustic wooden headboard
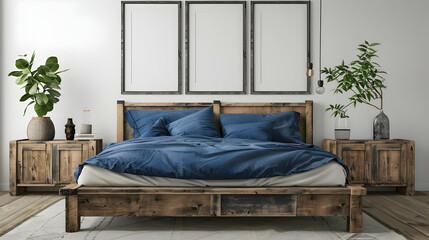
x=125 y=132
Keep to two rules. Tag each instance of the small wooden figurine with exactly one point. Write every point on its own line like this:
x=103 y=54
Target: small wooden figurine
x=70 y=129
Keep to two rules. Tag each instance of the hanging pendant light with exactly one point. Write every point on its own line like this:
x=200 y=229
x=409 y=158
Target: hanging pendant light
x=309 y=71
x=320 y=89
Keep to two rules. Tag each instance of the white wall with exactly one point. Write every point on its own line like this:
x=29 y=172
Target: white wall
x=85 y=35
x=3 y=149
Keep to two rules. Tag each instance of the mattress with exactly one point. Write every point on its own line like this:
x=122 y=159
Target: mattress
x=330 y=174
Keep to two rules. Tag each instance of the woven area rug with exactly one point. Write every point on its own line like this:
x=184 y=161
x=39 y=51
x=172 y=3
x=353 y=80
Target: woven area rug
x=49 y=224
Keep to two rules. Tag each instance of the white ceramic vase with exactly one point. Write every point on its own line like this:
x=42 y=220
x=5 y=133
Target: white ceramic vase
x=342 y=128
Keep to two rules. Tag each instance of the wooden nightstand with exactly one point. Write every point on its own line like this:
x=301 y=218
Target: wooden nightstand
x=377 y=163
x=47 y=163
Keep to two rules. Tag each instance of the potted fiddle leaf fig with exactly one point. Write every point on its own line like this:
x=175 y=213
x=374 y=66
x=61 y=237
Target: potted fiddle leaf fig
x=364 y=79
x=41 y=88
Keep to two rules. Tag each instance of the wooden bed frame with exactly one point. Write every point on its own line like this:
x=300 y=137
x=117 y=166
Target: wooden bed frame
x=215 y=201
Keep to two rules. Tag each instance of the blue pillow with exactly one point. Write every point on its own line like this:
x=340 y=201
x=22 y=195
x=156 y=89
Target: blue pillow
x=261 y=131
x=200 y=123
x=285 y=124
x=158 y=129
x=142 y=120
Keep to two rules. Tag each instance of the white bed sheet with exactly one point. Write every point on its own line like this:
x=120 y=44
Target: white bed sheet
x=330 y=174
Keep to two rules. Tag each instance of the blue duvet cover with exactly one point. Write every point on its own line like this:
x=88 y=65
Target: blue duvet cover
x=192 y=157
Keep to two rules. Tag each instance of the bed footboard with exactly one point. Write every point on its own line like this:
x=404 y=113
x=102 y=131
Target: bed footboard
x=213 y=202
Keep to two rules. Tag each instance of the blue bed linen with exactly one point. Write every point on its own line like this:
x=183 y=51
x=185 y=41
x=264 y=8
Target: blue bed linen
x=285 y=127
x=158 y=129
x=198 y=157
x=143 y=120
x=262 y=131
x=200 y=123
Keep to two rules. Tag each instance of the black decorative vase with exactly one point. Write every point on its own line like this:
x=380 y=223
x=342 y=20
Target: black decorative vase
x=381 y=127
x=70 y=129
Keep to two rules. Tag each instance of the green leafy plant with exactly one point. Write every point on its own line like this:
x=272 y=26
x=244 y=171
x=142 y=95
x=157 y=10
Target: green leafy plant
x=41 y=85
x=363 y=77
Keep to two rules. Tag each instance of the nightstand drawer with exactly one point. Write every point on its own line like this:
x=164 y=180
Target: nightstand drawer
x=33 y=165
x=388 y=163
x=65 y=159
x=353 y=155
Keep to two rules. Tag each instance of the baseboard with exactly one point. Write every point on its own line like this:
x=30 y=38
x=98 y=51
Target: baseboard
x=4 y=187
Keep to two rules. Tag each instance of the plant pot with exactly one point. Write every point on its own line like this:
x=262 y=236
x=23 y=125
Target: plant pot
x=381 y=127
x=342 y=134
x=342 y=128
x=40 y=129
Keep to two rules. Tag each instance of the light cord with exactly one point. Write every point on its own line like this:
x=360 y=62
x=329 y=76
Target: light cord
x=320 y=41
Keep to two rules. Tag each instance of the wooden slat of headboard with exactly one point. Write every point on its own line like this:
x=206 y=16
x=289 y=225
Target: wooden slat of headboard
x=120 y=121
x=125 y=132
x=308 y=122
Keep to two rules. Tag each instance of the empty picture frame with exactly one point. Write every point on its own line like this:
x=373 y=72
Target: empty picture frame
x=151 y=47
x=216 y=47
x=280 y=47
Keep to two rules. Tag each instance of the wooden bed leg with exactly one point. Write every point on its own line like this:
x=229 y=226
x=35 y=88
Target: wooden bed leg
x=354 y=220
x=72 y=214
x=72 y=207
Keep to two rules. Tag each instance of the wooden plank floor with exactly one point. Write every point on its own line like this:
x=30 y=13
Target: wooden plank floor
x=15 y=210
x=406 y=215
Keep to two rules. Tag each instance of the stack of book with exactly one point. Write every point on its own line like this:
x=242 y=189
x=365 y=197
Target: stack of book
x=82 y=136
